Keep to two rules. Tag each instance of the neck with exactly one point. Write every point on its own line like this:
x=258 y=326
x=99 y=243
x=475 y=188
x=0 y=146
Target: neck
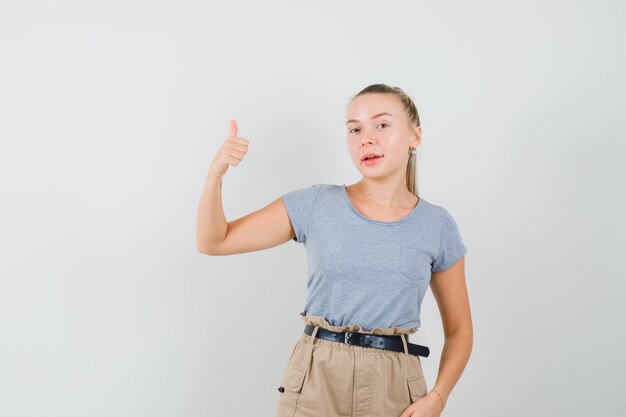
x=388 y=194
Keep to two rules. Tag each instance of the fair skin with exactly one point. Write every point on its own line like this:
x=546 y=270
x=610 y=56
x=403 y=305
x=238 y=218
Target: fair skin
x=380 y=195
x=376 y=123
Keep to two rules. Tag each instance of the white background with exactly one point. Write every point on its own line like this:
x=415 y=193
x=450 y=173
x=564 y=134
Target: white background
x=111 y=112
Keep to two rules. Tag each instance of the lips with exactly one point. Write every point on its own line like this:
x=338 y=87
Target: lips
x=365 y=156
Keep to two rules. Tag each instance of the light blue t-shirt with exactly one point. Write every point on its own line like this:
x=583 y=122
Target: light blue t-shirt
x=368 y=272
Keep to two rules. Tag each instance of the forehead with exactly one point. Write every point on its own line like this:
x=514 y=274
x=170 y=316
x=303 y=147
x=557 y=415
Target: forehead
x=364 y=107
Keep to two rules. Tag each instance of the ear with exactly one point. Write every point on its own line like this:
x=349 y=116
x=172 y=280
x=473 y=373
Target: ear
x=417 y=135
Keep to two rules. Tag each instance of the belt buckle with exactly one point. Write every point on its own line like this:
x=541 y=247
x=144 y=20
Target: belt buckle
x=357 y=339
x=347 y=336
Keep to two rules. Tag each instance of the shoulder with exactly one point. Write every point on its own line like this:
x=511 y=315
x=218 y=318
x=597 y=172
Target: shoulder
x=328 y=187
x=308 y=195
x=434 y=211
x=439 y=216
x=314 y=189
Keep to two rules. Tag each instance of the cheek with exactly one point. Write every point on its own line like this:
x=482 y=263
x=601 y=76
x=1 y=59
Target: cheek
x=398 y=145
x=353 y=147
x=398 y=153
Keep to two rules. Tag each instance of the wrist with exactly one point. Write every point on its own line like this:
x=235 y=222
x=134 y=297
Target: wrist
x=437 y=394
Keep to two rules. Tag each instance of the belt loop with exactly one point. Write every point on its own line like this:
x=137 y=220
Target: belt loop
x=406 y=349
x=309 y=347
x=313 y=335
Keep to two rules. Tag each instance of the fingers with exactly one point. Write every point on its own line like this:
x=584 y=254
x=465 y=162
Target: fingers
x=232 y=136
x=233 y=129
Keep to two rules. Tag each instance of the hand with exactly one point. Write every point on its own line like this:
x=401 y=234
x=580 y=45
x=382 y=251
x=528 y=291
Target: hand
x=232 y=152
x=427 y=406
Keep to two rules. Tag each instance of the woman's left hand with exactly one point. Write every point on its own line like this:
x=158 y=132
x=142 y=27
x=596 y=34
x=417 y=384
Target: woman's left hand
x=427 y=406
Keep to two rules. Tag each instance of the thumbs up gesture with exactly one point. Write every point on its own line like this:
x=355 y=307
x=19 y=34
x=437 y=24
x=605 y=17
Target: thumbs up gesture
x=232 y=151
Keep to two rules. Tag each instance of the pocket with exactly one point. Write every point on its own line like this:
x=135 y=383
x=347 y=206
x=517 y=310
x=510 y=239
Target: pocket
x=291 y=384
x=412 y=261
x=417 y=387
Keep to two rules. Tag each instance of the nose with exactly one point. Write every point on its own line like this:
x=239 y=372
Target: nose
x=368 y=138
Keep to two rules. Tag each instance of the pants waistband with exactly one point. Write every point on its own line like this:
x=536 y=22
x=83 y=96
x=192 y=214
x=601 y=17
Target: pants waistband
x=396 y=343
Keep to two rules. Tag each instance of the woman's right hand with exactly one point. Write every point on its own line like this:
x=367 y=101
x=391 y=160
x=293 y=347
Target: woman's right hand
x=232 y=152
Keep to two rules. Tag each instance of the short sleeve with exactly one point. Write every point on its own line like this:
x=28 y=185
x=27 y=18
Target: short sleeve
x=452 y=247
x=299 y=204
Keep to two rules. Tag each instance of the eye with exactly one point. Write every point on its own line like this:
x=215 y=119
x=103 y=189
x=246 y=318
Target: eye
x=383 y=124
x=351 y=130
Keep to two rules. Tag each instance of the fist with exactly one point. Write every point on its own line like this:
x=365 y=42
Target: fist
x=232 y=152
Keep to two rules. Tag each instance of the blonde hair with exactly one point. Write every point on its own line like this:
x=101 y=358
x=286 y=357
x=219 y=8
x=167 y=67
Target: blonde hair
x=413 y=118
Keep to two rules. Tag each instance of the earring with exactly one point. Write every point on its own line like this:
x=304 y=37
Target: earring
x=413 y=151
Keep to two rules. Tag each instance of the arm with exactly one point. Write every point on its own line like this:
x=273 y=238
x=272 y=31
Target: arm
x=450 y=293
x=262 y=229
x=211 y=224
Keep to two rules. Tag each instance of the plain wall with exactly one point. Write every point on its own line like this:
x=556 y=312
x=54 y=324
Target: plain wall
x=111 y=112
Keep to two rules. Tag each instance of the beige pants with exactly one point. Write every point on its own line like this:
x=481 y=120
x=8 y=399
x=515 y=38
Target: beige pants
x=332 y=379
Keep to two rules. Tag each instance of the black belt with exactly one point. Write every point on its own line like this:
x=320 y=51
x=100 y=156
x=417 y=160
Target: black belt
x=368 y=340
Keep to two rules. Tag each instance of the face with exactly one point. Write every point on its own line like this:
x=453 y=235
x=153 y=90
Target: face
x=377 y=123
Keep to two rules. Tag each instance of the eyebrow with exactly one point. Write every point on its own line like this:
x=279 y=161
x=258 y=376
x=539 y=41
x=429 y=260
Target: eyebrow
x=373 y=117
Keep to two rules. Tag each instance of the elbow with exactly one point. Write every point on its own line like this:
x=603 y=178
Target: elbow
x=464 y=330
x=205 y=250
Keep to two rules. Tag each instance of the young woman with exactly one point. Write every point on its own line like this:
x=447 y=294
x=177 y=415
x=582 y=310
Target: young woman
x=373 y=249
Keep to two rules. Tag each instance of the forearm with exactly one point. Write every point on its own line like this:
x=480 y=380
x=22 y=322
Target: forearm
x=211 y=223
x=454 y=358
